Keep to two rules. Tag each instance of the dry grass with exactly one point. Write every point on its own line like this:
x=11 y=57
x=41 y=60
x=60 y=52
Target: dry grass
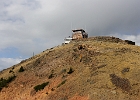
x=100 y=70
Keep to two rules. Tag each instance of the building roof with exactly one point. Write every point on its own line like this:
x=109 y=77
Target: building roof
x=78 y=30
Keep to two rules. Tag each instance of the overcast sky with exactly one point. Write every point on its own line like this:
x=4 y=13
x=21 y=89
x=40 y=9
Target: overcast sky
x=28 y=26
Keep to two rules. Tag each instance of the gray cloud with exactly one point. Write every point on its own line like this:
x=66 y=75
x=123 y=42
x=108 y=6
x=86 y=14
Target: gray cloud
x=35 y=25
x=6 y=62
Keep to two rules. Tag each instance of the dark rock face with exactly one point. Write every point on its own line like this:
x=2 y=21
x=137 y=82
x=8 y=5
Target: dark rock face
x=122 y=83
x=130 y=42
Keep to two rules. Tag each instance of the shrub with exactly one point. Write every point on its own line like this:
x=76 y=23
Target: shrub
x=11 y=78
x=11 y=71
x=51 y=76
x=5 y=82
x=1 y=79
x=21 y=69
x=70 y=71
x=41 y=86
x=63 y=82
x=13 y=68
x=125 y=70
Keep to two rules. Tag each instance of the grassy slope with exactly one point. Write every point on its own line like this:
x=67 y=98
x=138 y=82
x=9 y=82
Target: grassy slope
x=102 y=70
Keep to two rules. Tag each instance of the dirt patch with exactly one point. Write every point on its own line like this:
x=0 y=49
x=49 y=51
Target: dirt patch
x=77 y=97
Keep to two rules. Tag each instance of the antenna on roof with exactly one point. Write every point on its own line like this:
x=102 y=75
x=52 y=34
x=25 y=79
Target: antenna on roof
x=71 y=28
x=71 y=25
x=33 y=54
x=85 y=28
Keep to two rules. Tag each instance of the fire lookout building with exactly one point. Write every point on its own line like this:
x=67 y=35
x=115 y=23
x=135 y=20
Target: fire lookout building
x=79 y=34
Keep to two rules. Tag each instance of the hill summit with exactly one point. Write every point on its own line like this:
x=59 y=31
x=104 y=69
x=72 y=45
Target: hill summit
x=96 y=68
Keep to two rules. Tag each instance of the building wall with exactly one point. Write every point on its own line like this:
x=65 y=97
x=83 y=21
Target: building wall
x=77 y=36
x=85 y=35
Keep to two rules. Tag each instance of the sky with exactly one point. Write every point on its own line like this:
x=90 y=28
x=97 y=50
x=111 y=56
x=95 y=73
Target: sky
x=32 y=26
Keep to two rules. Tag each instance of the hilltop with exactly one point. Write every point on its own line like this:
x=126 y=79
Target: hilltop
x=96 y=68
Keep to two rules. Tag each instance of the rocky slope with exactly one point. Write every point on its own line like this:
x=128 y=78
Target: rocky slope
x=98 y=68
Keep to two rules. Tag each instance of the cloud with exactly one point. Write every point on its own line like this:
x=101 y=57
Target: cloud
x=35 y=25
x=6 y=62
